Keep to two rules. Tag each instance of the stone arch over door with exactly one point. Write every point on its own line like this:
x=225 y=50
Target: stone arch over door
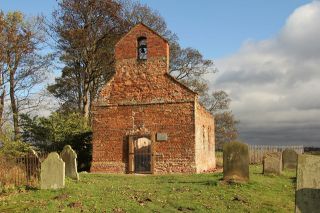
x=141 y=154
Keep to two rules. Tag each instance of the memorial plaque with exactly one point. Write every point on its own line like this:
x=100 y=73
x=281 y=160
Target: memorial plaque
x=162 y=136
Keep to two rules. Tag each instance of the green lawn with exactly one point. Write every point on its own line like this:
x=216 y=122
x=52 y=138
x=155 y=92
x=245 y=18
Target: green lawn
x=166 y=193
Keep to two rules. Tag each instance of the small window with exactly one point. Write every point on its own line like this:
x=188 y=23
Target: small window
x=142 y=48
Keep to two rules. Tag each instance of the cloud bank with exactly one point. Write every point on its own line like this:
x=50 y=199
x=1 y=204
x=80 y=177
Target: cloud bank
x=275 y=83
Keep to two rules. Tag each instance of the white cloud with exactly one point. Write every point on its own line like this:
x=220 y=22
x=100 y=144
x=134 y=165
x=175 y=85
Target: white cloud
x=276 y=82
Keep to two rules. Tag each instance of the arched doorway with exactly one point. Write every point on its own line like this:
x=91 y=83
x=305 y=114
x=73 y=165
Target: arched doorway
x=140 y=154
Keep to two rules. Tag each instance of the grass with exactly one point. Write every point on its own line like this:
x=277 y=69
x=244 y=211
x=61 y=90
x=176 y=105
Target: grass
x=165 y=193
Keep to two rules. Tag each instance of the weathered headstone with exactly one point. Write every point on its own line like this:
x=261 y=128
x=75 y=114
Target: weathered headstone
x=52 y=172
x=235 y=162
x=308 y=184
x=272 y=163
x=289 y=159
x=69 y=156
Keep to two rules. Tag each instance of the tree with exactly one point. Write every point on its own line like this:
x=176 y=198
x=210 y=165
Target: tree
x=2 y=54
x=87 y=31
x=225 y=123
x=22 y=66
x=225 y=128
x=12 y=148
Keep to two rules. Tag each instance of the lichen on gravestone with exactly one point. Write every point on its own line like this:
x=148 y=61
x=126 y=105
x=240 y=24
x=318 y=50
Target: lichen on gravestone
x=69 y=156
x=235 y=162
x=289 y=159
x=52 y=172
x=308 y=184
x=272 y=163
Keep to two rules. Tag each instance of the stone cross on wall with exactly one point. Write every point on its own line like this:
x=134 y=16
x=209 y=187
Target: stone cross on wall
x=69 y=156
x=52 y=172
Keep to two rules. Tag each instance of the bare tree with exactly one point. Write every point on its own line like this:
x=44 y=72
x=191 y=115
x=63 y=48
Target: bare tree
x=22 y=66
x=2 y=66
x=87 y=31
x=218 y=103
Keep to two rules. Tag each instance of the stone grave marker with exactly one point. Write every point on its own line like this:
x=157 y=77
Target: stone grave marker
x=52 y=172
x=308 y=184
x=289 y=159
x=235 y=162
x=272 y=163
x=69 y=156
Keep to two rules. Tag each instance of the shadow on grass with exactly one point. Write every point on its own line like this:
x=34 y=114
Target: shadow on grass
x=294 y=180
x=32 y=188
x=207 y=183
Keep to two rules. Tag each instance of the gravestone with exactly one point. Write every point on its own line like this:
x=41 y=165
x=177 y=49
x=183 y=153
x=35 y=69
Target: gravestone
x=289 y=159
x=308 y=184
x=272 y=163
x=69 y=156
x=235 y=162
x=52 y=172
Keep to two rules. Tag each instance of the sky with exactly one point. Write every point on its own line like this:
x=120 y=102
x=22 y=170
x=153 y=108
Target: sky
x=267 y=54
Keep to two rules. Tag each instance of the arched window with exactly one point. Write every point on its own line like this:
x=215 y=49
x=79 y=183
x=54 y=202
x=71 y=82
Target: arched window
x=142 y=48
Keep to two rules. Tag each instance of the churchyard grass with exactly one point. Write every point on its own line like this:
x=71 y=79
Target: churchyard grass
x=163 y=193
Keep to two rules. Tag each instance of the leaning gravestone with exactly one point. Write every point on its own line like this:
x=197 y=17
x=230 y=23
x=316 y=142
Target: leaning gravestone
x=69 y=156
x=308 y=184
x=289 y=159
x=272 y=163
x=52 y=172
x=235 y=162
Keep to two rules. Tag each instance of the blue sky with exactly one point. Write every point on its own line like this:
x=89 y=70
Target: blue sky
x=216 y=28
x=267 y=54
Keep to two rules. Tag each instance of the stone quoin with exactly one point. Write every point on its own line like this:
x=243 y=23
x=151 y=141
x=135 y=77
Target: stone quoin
x=142 y=103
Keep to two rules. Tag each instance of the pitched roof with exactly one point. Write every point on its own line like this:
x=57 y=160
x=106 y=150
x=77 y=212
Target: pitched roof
x=181 y=84
x=148 y=28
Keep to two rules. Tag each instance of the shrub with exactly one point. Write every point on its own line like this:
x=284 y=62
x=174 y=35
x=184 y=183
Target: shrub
x=59 y=129
x=11 y=148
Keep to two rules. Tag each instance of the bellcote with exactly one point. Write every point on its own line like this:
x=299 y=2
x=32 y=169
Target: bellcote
x=141 y=43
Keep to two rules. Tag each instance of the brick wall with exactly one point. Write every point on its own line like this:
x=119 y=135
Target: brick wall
x=143 y=82
x=205 y=141
x=112 y=125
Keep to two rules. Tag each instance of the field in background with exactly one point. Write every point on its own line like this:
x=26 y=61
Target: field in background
x=165 y=193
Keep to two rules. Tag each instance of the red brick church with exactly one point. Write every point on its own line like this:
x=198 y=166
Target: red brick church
x=144 y=120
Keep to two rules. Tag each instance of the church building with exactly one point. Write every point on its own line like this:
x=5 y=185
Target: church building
x=144 y=120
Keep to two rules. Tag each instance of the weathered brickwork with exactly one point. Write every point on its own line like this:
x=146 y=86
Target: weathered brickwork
x=143 y=99
x=205 y=141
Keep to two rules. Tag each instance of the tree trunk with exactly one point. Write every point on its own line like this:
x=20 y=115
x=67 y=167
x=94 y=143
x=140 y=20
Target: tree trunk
x=86 y=101
x=86 y=91
x=14 y=107
x=2 y=99
x=2 y=107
